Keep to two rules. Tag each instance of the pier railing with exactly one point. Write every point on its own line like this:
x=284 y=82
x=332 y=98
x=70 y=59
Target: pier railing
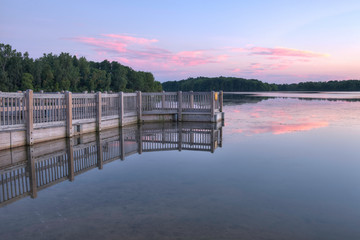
x=12 y=109
x=38 y=167
x=29 y=111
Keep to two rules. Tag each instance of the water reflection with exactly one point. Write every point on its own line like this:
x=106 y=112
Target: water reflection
x=26 y=170
x=254 y=97
x=279 y=115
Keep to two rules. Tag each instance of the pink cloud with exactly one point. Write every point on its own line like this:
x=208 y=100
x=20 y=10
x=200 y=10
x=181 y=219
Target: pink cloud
x=255 y=66
x=285 y=52
x=190 y=58
x=236 y=70
x=141 y=52
x=130 y=39
x=238 y=49
x=104 y=44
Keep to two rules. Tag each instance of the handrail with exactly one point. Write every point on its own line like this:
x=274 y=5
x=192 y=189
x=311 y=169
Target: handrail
x=29 y=110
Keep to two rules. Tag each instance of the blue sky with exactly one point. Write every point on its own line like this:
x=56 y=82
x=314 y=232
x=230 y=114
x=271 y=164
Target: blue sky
x=273 y=41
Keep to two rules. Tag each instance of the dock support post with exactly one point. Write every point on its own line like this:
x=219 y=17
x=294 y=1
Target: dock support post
x=122 y=144
x=180 y=136
x=70 y=155
x=140 y=142
x=98 y=111
x=68 y=101
x=179 y=106
x=99 y=150
x=221 y=100
x=212 y=140
x=32 y=171
x=139 y=106
x=29 y=117
x=212 y=106
x=121 y=108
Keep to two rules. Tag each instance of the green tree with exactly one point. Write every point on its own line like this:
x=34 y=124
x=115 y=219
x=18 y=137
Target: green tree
x=27 y=81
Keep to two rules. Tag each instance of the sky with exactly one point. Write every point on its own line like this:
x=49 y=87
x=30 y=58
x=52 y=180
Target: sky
x=271 y=40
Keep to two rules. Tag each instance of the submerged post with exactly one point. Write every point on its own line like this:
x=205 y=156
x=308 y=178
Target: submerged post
x=99 y=151
x=98 y=111
x=29 y=117
x=140 y=141
x=32 y=171
x=221 y=101
x=122 y=144
x=68 y=100
x=70 y=155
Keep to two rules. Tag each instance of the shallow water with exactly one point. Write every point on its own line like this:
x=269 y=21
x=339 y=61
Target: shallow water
x=288 y=168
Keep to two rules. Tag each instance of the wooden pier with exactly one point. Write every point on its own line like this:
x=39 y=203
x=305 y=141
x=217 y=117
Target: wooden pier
x=28 y=169
x=27 y=117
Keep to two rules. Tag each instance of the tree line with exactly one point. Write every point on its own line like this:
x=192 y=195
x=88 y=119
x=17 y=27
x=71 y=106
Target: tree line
x=52 y=73
x=229 y=84
x=233 y=84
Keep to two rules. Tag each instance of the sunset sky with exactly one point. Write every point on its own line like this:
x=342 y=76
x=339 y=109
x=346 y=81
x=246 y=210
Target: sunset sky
x=273 y=41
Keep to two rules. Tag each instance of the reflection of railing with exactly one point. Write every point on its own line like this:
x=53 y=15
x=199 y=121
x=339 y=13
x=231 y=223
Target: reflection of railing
x=37 y=167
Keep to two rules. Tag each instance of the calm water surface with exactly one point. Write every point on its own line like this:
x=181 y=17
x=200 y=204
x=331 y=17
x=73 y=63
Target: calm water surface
x=288 y=168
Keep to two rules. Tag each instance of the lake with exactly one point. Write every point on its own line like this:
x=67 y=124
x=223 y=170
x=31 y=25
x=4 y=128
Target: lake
x=284 y=166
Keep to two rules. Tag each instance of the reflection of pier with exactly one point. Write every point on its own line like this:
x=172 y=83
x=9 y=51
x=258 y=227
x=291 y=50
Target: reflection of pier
x=26 y=170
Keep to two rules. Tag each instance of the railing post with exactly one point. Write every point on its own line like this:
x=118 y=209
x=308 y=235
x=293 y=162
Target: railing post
x=86 y=105
x=163 y=100
x=121 y=108
x=179 y=106
x=139 y=106
x=221 y=100
x=191 y=99
x=98 y=111
x=212 y=106
x=68 y=101
x=29 y=117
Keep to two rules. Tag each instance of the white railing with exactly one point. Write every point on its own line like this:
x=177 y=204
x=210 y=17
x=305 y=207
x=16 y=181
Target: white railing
x=83 y=106
x=49 y=108
x=12 y=109
x=110 y=105
x=28 y=111
x=130 y=104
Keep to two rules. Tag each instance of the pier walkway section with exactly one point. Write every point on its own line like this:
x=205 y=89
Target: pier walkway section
x=27 y=117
